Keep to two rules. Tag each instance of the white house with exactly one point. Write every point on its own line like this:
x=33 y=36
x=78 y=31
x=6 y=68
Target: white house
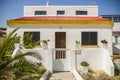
x=63 y=26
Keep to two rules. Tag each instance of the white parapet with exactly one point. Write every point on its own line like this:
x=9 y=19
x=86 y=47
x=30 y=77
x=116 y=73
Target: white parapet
x=108 y=66
x=45 y=75
x=77 y=75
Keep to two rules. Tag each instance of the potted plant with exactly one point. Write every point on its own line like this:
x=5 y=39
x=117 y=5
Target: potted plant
x=116 y=60
x=44 y=43
x=84 y=67
x=77 y=44
x=17 y=42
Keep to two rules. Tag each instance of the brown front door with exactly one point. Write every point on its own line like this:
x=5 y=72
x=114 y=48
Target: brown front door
x=60 y=42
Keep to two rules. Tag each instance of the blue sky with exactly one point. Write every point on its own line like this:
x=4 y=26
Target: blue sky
x=10 y=9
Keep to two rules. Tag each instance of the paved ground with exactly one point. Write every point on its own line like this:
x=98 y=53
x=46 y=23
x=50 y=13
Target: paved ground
x=61 y=76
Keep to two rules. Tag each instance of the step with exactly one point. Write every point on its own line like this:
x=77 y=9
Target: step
x=62 y=76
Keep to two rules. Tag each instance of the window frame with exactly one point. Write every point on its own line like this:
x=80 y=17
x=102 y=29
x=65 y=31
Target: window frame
x=40 y=13
x=34 y=37
x=60 y=12
x=89 y=39
x=81 y=12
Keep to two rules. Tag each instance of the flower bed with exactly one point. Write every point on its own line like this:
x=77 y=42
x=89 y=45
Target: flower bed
x=97 y=75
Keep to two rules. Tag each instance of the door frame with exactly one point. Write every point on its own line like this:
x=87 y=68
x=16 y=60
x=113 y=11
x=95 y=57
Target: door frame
x=60 y=63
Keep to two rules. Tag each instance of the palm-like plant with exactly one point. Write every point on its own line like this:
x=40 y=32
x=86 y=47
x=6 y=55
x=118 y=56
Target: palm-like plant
x=7 y=44
x=10 y=67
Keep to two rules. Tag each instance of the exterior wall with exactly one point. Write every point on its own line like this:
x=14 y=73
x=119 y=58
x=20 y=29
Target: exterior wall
x=72 y=34
x=108 y=65
x=116 y=29
x=98 y=59
x=93 y=56
x=69 y=10
x=116 y=26
x=116 y=41
x=39 y=52
x=45 y=56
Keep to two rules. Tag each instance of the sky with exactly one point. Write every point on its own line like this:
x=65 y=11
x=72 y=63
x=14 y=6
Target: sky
x=10 y=9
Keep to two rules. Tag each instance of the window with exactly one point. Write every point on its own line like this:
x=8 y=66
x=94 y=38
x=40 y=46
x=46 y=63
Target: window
x=40 y=12
x=116 y=19
x=89 y=38
x=81 y=12
x=60 y=12
x=35 y=36
x=109 y=18
x=116 y=39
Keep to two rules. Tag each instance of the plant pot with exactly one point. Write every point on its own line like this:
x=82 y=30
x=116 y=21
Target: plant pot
x=77 y=46
x=84 y=69
x=17 y=45
x=117 y=63
x=45 y=46
x=104 y=46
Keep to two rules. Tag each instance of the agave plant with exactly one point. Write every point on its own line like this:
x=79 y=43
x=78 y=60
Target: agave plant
x=12 y=67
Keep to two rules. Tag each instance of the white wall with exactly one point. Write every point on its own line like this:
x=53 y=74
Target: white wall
x=39 y=52
x=46 y=57
x=72 y=34
x=92 y=56
x=69 y=10
x=108 y=66
x=116 y=26
x=98 y=59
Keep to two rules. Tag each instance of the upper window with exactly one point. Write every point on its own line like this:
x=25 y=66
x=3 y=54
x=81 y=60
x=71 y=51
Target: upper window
x=35 y=36
x=40 y=12
x=81 y=12
x=60 y=12
x=116 y=19
x=109 y=18
x=89 y=38
x=116 y=39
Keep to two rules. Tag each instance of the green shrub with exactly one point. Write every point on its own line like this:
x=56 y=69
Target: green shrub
x=84 y=63
x=28 y=42
x=16 y=68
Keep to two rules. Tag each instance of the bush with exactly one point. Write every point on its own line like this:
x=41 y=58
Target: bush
x=84 y=63
x=28 y=42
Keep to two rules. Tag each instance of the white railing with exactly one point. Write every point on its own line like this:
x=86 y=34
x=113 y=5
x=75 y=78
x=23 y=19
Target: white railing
x=59 y=53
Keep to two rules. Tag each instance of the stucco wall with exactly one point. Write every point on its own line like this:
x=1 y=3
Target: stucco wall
x=69 y=10
x=72 y=34
x=116 y=26
x=93 y=56
x=41 y=53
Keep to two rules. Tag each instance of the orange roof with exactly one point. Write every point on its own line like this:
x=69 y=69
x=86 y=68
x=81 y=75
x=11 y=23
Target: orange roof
x=57 y=20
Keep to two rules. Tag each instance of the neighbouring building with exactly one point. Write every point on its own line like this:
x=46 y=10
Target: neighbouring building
x=2 y=33
x=116 y=31
x=76 y=34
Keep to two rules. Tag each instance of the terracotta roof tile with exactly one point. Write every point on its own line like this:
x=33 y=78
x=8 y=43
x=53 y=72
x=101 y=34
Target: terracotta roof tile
x=60 y=18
